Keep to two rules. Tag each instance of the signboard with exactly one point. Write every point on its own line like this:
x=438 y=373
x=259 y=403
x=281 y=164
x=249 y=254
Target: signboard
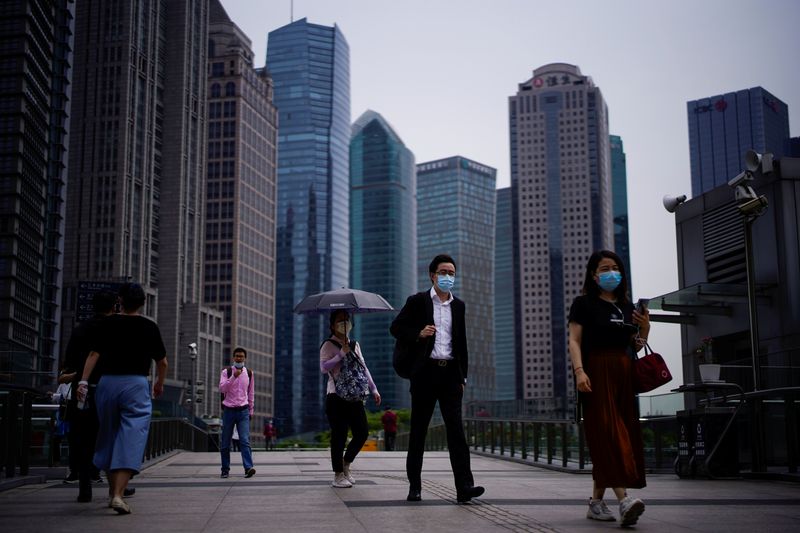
x=86 y=291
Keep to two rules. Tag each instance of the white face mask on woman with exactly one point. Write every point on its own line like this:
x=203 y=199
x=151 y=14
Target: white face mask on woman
x=344 y=327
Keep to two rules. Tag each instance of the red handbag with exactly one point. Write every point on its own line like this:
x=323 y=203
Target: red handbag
x=650 y=371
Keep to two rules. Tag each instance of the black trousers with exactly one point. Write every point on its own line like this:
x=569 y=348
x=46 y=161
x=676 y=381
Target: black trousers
x=389 y=438
x=344 y=415
x=443 y=384
x=83 y=436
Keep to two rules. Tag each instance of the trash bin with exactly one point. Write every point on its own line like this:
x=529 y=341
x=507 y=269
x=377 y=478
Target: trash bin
x=699 y=431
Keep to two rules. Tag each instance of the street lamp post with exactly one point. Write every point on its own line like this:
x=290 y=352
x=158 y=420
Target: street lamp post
x=192 y=400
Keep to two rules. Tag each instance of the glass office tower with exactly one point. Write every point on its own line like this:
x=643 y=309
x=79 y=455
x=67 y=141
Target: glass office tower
x=723 y=127
x=561 y=196
x=36 y=77
x=505 y=363
x=383 y=229
x=455 y=216
x=239 y=265
x=619 y=195
x=310 y=68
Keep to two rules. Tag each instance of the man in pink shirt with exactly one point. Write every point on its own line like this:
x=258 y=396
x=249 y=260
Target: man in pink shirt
x=236 y=386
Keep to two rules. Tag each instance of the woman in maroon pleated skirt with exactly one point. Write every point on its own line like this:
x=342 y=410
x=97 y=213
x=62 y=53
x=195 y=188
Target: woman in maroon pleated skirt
x=603 y=327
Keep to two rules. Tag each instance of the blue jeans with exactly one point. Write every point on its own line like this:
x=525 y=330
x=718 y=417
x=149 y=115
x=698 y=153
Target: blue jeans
x=241 y=418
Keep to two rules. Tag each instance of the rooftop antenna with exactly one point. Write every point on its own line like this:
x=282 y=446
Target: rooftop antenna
x=291 y=11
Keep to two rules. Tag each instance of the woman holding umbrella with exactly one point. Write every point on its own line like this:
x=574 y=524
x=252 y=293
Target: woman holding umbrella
x=349 y=384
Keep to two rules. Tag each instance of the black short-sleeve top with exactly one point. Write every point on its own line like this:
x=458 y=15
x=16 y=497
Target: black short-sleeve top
x=605 y=325
x=127 y=344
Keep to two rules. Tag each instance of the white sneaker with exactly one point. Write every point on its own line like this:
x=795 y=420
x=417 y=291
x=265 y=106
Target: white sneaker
x=598 y=510
x=630 y=509
x=347 y=473
x=340 y=482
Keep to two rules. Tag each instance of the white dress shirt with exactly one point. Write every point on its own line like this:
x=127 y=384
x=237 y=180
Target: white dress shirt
x=443 y=320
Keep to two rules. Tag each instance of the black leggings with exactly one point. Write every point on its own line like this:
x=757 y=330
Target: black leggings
x=344 y=415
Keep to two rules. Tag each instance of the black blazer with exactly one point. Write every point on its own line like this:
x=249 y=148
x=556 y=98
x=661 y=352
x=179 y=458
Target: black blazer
x=418 y=313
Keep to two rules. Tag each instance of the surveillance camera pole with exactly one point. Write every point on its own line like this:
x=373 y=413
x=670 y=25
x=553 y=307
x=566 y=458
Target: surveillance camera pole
x=745 y=195
x=193 y=357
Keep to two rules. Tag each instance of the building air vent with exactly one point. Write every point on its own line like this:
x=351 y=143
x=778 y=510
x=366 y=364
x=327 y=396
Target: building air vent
x=723 y=245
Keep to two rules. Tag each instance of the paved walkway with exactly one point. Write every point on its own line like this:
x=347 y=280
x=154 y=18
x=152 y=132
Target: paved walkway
x=291 y=492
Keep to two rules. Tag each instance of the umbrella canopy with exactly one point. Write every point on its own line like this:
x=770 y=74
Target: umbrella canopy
x=352 y=300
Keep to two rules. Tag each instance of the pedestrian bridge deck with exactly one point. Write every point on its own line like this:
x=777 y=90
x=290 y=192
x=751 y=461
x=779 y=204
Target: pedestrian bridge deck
x=291 y=492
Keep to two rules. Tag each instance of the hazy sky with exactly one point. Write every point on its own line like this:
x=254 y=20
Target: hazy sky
x=441 y=72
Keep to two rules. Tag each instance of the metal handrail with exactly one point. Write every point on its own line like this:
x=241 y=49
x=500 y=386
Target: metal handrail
x=555 y=444
x=17 y=420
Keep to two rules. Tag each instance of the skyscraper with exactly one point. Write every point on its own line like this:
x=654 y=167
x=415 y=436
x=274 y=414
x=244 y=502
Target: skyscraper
x=619 y=194
x=504 y=287
x=239 y=266
x=310 y=66
x=723 y=127
x=35 y=75
x=561 y=197
x=383 y=228
x=455 y=216
x=135 y=204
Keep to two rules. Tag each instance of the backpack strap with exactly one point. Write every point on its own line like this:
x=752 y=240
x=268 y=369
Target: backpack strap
x=229 y=372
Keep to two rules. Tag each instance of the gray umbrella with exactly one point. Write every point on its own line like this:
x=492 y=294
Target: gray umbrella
x=352 y=300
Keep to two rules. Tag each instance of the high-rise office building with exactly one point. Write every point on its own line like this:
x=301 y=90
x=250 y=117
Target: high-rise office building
x=35 y=76
x=239 y=266
x=561 y=197
x=455 y=216
x=723 y=127
x=619 y=195
x=504 y=287
x=135 y=204
x=383 y=251
x=310 y=67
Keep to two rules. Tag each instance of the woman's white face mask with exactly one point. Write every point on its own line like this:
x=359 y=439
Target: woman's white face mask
x=343 y=327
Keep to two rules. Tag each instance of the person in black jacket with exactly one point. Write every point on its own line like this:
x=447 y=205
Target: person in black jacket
x=431 y=325
x=83 y=422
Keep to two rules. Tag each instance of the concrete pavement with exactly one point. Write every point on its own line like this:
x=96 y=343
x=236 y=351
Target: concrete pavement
x=291 y=492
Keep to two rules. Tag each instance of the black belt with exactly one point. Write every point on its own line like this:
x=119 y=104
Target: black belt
x=440 y=362
x=240 y=408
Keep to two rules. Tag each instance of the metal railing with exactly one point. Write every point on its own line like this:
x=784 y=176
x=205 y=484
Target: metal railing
x=27 y=433
x=557 y=444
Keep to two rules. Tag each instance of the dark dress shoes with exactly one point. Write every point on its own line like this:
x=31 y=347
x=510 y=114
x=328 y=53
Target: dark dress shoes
x=466 y=494
x=414 y=495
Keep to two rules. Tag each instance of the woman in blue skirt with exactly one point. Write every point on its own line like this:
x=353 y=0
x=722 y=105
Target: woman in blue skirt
x=123 y=349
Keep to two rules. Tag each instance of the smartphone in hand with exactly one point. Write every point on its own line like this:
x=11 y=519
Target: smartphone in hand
x=641 y=305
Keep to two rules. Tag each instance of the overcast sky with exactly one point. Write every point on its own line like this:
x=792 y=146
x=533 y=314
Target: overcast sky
x=441 y=72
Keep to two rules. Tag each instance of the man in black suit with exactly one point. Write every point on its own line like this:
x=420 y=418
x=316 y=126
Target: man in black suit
x=431 y=326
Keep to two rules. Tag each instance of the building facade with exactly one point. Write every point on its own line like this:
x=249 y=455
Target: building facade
x=723 y=127
x=239 y=266
x=456 y=216
x=619 y=193
x=561 y=198
x=713 y=302
x=36 y=59
x=383 y=229
x=135 y=204
x=310 y=67
x=504 y=287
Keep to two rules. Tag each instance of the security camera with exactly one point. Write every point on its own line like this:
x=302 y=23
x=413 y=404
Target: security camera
x=740 y=179
x=754 y=207
x=193 y=346
x=671 y=203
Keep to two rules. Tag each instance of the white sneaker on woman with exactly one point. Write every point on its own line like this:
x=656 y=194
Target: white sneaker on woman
x=347 y=473
x=630 y=509
x=598 y=510
x=340 y=481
